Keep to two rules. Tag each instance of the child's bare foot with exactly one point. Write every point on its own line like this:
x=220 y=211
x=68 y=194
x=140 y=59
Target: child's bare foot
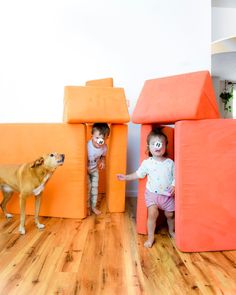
x=96 y=211
x=149 y=242
x=172 y=234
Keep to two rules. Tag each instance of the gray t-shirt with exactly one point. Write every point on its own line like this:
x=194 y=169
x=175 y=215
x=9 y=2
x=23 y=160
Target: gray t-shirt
x=94 y=154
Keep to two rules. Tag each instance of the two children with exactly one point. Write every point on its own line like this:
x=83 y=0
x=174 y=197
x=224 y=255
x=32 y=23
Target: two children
x=159 y=169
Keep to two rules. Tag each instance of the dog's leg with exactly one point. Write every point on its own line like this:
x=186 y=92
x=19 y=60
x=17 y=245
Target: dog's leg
x=37 y=207
x=6 y=198
x=22 y=213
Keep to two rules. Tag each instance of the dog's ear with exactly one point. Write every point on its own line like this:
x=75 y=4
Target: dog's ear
x=38 y=162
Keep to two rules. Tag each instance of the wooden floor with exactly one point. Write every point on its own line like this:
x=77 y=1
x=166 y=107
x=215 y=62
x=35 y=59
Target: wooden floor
x=104 y=255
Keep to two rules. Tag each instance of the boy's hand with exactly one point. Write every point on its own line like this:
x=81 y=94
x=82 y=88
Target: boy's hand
x=101 y=164
x=121 y=176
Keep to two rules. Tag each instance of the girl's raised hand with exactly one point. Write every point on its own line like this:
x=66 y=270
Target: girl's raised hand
x=121 y=176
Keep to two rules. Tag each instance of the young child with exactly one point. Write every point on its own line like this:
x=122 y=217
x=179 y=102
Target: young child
x=97 y=150
x=160 y=186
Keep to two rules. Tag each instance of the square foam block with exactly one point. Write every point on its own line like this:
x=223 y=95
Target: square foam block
x=95 y=104
x=141 y=216
x=116 y=163
x=66 y=192
x=205 y=158
x=167 y=100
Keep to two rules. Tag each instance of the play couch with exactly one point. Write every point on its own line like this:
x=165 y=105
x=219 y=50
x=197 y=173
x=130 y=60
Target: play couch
x=204 y=155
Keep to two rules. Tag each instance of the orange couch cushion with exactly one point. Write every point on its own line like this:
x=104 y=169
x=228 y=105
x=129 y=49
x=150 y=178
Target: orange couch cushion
x=116 y=163
x=65 y=193
x=95 y=104
x=106 y=82
x=170 y=99
x=205 y=158
x=141 y=216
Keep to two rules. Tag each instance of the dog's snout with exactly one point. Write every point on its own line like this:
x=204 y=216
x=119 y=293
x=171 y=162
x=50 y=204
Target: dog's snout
x=62 y=157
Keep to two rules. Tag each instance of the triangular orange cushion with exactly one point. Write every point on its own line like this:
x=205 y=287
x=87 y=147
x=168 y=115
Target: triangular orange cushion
x=170 y=99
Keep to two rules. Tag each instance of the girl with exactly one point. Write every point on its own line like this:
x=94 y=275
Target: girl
x=160 y=186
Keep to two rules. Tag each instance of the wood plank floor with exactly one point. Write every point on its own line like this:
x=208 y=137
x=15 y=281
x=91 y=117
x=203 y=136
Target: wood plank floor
x=104 y=255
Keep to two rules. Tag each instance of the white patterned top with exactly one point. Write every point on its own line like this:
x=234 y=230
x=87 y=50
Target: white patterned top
x=160 y=175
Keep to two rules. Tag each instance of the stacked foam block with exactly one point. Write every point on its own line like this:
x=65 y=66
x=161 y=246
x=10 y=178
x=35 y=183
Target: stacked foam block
x=65 y=194
x=204 y=155
x=99 y=101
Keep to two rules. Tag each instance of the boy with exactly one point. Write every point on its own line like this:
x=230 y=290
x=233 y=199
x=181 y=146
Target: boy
x=97 y=150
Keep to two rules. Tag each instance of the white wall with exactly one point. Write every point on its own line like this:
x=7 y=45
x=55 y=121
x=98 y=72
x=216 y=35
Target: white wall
x=51 y=43
x=224 y=64
x=223 y=22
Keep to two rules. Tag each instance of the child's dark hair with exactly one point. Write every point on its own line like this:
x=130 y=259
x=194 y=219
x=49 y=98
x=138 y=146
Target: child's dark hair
x=156 y=131
x=103 y=129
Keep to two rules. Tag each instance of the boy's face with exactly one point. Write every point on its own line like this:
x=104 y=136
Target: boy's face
x=98 y=139
x=157 y=146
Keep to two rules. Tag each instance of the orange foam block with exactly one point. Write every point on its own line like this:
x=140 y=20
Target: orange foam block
x=106 y=82
x=65 y=193
x=141 y=216
x=95 y=104
x=205 y=159
x=170 y=99
x=116 y=163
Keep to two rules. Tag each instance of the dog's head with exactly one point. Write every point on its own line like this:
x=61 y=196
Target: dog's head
x=50 y=161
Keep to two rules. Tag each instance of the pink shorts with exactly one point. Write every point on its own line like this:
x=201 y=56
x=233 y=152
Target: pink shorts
x=163 y=202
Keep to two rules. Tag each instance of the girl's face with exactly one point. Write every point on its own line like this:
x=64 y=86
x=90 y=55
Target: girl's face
x=157 y=146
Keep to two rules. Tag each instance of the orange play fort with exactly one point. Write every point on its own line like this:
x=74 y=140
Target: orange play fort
x=65 y=194
x=204 y=154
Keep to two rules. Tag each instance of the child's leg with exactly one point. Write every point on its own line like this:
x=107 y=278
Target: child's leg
x=151 y=225
x=170 y=221
x=94 y=191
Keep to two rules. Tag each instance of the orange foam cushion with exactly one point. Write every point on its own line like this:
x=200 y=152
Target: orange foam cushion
x=95 y=104
x=141 y=216
x=205 y=158
x=116 y=163
x=170 y=99
x=65 y=193
x=106 y=82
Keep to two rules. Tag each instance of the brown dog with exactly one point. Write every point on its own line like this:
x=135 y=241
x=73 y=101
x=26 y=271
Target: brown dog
x=28 y=179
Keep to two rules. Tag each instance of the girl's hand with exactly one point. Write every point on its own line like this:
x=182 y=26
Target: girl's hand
x=171 y=190
x=121 y=176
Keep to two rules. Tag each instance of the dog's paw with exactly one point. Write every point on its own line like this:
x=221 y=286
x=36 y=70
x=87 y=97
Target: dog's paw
x=8 y=215
x=21 y=230
x=40 y=225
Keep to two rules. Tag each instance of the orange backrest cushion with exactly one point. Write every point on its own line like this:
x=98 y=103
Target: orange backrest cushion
x=106 y=82
x=170 y=99
x=95 y=104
